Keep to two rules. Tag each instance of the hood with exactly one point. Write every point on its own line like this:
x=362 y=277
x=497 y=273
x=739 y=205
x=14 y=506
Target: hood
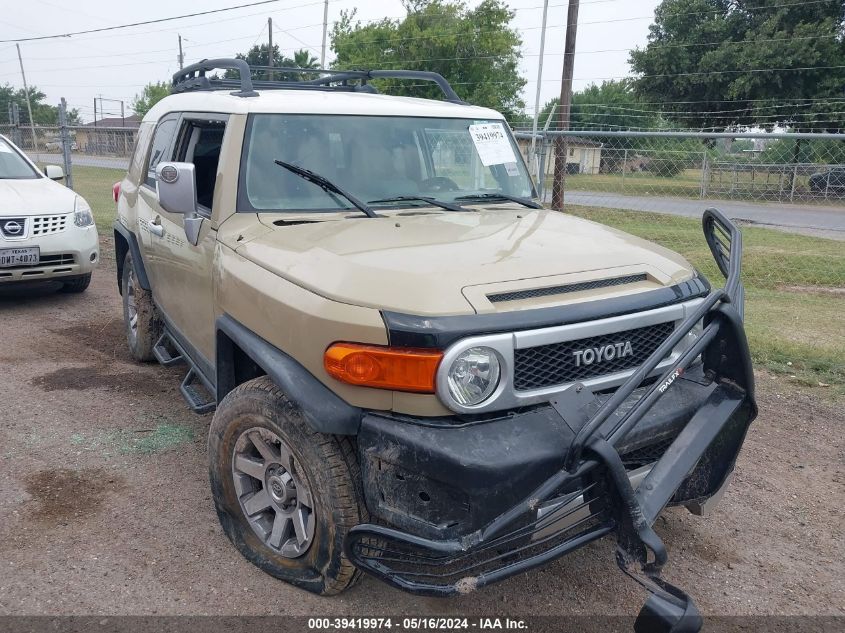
x=450 y=263
x=34 y=196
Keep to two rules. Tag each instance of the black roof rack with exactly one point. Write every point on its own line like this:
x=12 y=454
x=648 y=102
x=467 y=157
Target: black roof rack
x=193 y=78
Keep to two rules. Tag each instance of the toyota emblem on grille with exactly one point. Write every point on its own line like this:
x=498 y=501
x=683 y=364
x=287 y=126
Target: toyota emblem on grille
x=13 y=227
x=602 y=353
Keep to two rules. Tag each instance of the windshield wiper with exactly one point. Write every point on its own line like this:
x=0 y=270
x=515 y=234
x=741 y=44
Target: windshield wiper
x=327 y=185
x=432 y=201
x=526 y=202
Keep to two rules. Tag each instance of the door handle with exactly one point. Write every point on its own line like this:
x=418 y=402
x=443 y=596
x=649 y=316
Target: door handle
x=156 y=228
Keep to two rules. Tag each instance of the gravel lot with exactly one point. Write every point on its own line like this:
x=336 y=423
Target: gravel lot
x=105 y=506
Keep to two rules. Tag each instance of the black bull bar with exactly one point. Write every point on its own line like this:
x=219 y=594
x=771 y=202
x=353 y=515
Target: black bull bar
x=694 y=467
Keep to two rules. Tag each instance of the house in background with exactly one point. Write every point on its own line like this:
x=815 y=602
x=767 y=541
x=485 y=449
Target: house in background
x=109 y=136
x=583 y=155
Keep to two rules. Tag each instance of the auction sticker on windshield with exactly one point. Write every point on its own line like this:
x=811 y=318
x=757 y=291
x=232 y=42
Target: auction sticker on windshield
x=19 y=256
x=492 y=144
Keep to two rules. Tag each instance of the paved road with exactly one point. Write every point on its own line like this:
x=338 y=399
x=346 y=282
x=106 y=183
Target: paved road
x=109 y=162
x=816 y=220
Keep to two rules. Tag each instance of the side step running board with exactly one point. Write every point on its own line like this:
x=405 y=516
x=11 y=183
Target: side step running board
x=196 y=394
x=166 y=351
x=199 y=395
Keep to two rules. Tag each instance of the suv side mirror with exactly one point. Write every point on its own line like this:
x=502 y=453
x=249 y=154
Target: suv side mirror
x=54 y=172
x=176 y=187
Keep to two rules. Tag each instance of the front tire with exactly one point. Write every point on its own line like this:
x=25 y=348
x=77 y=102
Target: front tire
x=286 y=495
x=140 y=316
x=76 y=284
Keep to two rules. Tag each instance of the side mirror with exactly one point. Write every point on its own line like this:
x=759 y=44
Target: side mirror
x=176 y=187
x=54 y=172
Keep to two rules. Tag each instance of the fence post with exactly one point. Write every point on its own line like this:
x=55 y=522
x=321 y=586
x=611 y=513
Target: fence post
x=542 y=149
x=624 y=165
x=705 y=175
x=794 y=179
x=65 y=136
x=16 y=123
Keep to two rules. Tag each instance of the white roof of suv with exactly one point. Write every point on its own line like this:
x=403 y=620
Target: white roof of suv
x=316 y=102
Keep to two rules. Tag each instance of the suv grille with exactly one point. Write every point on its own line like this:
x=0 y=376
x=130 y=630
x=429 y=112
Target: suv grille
x=47 y=224
x=555 y=364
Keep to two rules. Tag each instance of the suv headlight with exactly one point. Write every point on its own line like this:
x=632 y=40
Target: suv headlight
x=82 y=215
x=474 y=376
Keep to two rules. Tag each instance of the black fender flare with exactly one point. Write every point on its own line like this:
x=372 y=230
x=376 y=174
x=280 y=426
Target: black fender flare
x=322 y=409
x=138 y=262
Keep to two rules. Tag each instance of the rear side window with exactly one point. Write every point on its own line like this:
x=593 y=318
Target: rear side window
x=200 y=141
x=161 y=143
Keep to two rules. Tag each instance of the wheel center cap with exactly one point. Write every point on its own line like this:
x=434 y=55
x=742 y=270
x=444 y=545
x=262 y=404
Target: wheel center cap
x=281 y=488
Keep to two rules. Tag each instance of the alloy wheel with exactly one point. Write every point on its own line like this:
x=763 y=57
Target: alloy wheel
x=273 y=492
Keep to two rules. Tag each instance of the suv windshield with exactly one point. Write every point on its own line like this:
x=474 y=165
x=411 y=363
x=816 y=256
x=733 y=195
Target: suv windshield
x=12 y=166
x=376 y=158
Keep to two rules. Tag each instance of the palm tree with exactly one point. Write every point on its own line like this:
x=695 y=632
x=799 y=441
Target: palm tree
x=303 y=59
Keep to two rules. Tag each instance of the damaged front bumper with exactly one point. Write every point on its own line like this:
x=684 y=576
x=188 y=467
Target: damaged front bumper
x=475 y=503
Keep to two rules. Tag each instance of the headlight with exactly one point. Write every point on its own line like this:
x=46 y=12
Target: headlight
x=473 y=376
x=82 y=216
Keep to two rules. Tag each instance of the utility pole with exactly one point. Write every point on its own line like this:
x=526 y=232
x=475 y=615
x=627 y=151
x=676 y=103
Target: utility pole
x=270 y=46
x=532 y=158
x=181 y=56
x=65 y=136
x=325 y=30
x=28 y=104
x=561 y=144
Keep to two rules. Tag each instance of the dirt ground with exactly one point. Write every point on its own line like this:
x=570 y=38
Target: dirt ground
x=105 y=505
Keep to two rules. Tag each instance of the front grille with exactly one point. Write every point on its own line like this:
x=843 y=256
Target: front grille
x=534 y=293
x=49 y=224
x=556 y=364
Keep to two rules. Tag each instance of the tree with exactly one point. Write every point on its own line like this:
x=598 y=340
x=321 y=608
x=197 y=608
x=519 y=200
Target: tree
x=259 y=55
x=42 y=113
x=304 y=59
x=151 y=95
x=613 y=105
x=727 y=64
x=476 y=50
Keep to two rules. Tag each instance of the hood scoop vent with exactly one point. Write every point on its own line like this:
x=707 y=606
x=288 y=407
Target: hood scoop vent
x=534 y=293
x=294 y=222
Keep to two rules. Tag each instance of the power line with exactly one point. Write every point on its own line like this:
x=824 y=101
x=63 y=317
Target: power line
x=144 y=23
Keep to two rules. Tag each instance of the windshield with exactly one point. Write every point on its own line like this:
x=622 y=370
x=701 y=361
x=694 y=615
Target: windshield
x=376 y=158
x=12 y=166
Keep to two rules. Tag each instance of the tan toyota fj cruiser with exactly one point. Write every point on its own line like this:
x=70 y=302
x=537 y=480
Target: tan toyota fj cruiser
x=417 y=370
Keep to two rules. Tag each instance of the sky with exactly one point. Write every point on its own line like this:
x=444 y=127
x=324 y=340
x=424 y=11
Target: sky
x=116 y=65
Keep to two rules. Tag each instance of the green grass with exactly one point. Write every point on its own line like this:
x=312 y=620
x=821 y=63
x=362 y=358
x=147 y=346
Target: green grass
x=164 y=437
x=95 y=185
x=794 y=322
x=686 y=184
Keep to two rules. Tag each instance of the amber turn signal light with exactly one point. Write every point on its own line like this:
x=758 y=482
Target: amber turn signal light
x=396 y=368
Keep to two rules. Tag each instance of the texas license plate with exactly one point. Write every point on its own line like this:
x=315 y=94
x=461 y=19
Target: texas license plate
x=19 y=257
